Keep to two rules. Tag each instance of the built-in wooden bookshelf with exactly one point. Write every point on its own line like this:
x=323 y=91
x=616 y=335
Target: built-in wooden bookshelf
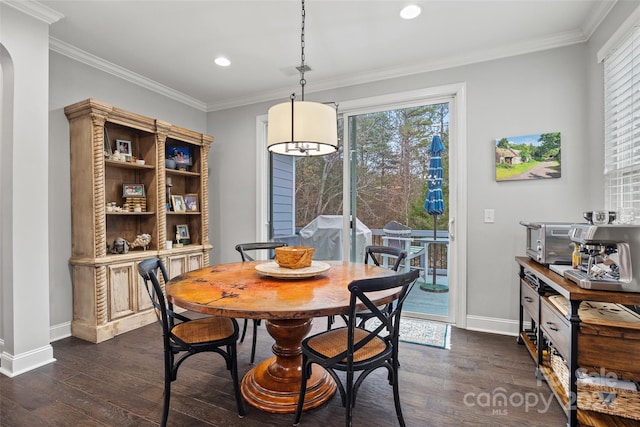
x=109 y=296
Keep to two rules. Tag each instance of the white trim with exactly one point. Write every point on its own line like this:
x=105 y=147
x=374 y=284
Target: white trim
x=567 y=38
x=595 y=18
x=46 y=14
x=493 y=325
x=36 y=10
x=91 y=60
x=60 y=331
x=262 y=184
x=621 y=33
x=406 y=99
x=346 y=184
x=459 y=205
x=13 y=365
x=455 y=95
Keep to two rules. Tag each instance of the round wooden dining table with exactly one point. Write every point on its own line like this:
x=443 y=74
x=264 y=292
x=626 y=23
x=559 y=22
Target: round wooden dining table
x=288 y=304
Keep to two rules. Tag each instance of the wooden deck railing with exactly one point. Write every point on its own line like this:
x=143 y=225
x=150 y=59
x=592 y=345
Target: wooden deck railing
x=437 y=252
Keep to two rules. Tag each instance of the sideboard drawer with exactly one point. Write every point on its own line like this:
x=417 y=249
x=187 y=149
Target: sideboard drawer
x=529 y=300
x=555 y=327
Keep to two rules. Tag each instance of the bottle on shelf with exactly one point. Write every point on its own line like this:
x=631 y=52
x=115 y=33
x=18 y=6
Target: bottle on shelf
x=576 y=257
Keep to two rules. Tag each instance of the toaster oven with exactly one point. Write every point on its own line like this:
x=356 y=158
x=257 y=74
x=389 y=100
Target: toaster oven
x=549 y=242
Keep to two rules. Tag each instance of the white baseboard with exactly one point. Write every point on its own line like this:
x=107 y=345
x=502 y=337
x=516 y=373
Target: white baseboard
x=494 y=325
x=12 y=365
x=60 y=331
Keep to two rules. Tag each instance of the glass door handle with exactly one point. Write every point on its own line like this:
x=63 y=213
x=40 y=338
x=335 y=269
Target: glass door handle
x=451 y=229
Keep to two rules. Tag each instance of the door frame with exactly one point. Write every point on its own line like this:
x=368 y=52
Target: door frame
x=455 y=94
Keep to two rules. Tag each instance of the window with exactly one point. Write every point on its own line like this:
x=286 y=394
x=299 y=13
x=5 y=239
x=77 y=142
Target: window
x=622 y=124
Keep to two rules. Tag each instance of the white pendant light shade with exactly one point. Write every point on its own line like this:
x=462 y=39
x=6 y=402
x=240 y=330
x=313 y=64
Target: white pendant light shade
x=314 y=131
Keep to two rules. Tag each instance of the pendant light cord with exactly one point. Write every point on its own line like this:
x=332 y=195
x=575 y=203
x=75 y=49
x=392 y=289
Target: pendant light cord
x=302 y=80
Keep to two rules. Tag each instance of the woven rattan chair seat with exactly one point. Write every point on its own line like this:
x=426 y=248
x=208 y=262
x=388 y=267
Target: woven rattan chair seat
x=334 y=342
x=204 y=330
x=368 y=349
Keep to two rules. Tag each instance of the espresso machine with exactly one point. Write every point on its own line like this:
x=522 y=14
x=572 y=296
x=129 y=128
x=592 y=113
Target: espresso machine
x=610 y=257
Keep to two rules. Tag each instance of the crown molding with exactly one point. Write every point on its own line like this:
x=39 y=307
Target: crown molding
x=91 y=60
x=35 y=9
x=556 y=41
x=623 y=31
x=581 y=35
x=597 y=15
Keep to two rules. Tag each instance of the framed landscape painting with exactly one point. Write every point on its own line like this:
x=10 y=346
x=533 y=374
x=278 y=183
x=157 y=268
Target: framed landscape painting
x=535 y=156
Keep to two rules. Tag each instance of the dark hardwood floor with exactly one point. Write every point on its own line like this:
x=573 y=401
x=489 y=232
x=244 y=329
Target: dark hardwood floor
x=484 y=380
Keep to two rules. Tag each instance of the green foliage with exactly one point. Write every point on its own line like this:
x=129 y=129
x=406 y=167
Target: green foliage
x=391 y=167
x=550 y=147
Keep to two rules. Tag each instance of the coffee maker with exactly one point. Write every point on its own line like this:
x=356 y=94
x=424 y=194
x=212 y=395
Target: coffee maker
x=610 y=255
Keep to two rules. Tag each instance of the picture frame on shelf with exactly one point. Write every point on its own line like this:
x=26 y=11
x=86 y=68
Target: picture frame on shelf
x=191 y=202
x=124 y=148
x=181 y=155
x=133 y=190
x=107 y=144
x=182 y=233
x=178 y=203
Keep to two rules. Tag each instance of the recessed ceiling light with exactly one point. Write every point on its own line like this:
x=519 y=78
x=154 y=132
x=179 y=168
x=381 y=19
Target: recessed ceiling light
x=222 y=61
x=410 y=12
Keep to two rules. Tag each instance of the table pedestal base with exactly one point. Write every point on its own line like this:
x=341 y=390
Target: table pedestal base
x=274 y=384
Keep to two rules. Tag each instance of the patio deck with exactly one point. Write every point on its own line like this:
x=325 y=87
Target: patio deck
x=426 y=302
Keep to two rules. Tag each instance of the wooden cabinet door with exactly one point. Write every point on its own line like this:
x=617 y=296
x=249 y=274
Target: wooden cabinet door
x=195 y=261
x=122 y=290
x=144 y=300
x=177 y=265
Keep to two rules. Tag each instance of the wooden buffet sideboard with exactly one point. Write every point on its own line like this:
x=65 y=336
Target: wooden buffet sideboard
x=595 y=345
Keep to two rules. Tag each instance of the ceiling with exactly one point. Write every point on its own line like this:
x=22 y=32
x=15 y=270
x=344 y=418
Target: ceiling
x=169 y=46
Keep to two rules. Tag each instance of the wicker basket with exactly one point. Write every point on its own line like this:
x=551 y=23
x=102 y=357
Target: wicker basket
x=560 y=368
x=294 y=256
x=609 y=400
x=598 y=398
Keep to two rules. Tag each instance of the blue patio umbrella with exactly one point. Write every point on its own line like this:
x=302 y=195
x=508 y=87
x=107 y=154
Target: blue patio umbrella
x=434 y=203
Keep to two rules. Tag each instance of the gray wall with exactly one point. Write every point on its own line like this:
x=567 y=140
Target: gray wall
x=549 y=91
x=70 y=82
x=556 y=90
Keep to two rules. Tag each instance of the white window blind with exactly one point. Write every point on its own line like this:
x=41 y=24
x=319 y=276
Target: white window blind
x=622 y=124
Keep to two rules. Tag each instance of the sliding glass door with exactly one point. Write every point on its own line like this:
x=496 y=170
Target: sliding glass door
x=389 y=167
x=380 y=176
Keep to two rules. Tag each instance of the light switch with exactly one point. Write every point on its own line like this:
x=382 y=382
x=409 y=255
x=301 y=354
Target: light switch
x=489 y=215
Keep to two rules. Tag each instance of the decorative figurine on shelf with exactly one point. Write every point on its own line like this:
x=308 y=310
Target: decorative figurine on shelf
x=120 y=246
x=178 y=243
x=169 y=185
x=141 y=240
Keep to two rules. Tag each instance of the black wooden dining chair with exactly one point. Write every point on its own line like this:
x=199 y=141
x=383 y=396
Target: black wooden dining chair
x=376 y=254
x=189 y=336
x=352 y=349
x=244 y=249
